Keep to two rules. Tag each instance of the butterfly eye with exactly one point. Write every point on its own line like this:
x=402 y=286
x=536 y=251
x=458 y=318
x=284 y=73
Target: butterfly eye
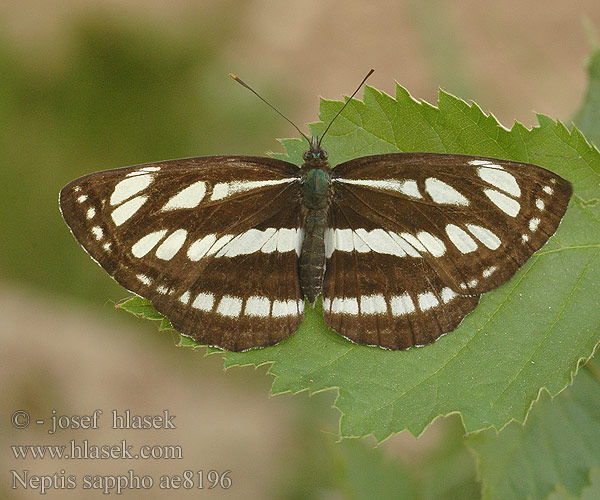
x=306 y=155
x=324 y=154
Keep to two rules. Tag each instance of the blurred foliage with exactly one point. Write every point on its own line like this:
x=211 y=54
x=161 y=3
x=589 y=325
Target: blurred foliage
x=590 y=492
x=444 y=51
x=559 y=444
x=324 y=468
x=588 y=116
x=120 y=93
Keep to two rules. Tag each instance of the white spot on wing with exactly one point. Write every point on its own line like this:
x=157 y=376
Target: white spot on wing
x=185 y=298
x=230 y=306
x=427 y=301
x=447 y=295
x=402 y=304
x=487 y=163
x=487 y=237
x=381 y=242
x=548 y=190
x=97 y=232
x=489 y=271
x=287 y=240
x=345 y=305
x=257 y=306
x=329 y=240
x=189 y=197
x=358 y=241
x=376 y=240
x=500 y=179
x=507 y=205
x=270 y=245
x=204 y=302
x=414 y=242
x=246 y=243
x=408 y=187
x=279 y=308
x=199 y=248
x=461 y=239
x=126 y=210
x=434 y=245
x=286 y=308
x=533 y=224
x=540 y=204
x=373 y=304
x=91 y=212
x=220 y=191
x=299 y=240
x=147 y=243
x=405 y=245
x=226 y=189
x=82 y=198
x=171 y=245
x=220 y=243
x=344 y=240
x=128 y=187
x=144 y=279
x=143 y=170
x=441 y=192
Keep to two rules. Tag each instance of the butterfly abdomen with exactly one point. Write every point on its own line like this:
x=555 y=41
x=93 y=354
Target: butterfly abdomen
x=312 y=256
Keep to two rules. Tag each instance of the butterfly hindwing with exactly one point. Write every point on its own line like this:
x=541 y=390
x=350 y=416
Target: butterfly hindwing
x=375 y=294
x=416 y=237
x=213 y=242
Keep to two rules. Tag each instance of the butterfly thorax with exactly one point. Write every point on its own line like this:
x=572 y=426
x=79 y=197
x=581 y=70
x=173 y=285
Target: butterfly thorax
x=315 y=203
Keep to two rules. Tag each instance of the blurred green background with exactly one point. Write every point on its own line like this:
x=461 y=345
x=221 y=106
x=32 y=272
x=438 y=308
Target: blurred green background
x=86 y=86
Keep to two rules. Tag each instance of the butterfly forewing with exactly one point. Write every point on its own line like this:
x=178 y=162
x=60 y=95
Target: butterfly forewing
x=414 y=238
x=213 y=242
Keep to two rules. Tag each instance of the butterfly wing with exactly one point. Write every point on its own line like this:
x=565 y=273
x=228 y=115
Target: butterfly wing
x=415 y=238
x=213 y=242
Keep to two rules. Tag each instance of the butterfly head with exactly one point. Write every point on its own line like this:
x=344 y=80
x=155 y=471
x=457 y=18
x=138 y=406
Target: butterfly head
x=315 y=153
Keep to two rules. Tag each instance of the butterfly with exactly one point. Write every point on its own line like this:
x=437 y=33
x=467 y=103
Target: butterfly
x=231 y=248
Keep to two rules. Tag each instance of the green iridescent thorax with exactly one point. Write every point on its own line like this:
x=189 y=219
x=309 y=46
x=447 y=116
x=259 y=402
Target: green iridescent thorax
x=316 y=189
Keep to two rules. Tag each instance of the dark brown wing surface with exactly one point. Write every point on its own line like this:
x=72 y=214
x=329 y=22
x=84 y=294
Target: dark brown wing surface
x=415 y=238
x=213 y=242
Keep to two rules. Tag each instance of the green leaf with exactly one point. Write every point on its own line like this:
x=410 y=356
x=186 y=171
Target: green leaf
x=558 y=445
x=588 y=116
x=141 y=308
x=527 y=335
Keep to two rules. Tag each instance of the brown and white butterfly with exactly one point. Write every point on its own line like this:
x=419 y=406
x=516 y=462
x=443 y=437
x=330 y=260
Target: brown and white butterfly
x=409 y=240
x=400 y=245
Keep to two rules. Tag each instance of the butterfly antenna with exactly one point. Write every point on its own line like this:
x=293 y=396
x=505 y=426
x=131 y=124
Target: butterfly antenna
x=244 y=84
x=346 y=104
